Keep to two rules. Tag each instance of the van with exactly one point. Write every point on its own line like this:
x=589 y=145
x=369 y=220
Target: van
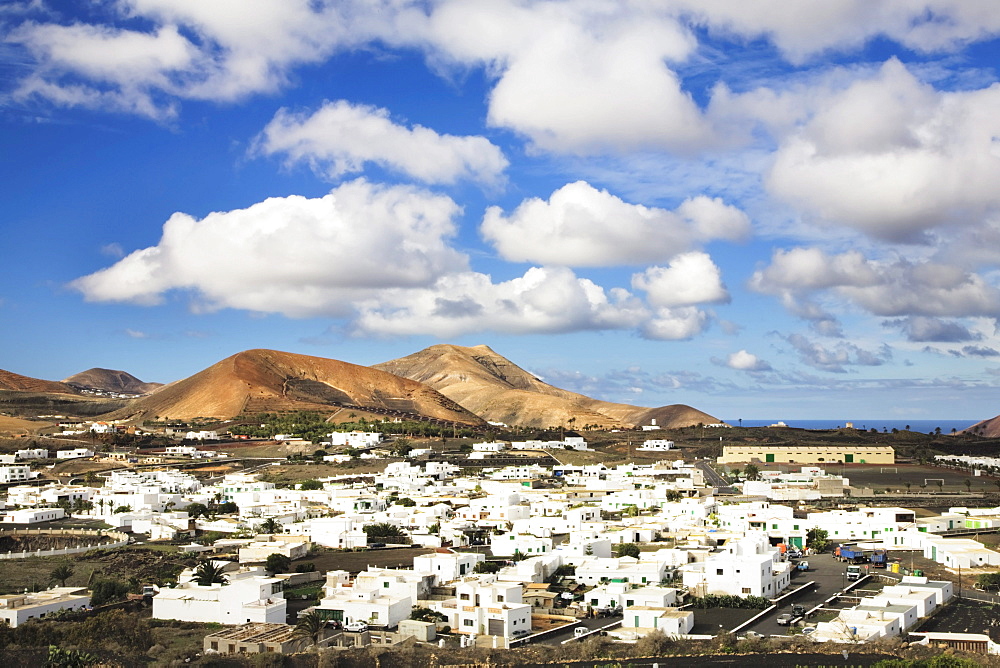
x=580 y=631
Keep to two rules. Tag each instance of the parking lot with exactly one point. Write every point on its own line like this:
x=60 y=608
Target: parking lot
x=828 y=576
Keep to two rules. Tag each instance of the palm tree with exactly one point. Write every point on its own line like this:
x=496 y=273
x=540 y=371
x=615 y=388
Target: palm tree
x=209 y=573
x=62 y=573
x=310 y=626
x=270 y=525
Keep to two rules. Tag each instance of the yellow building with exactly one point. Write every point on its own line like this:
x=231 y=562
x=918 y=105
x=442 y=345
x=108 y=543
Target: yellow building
x=808 y=454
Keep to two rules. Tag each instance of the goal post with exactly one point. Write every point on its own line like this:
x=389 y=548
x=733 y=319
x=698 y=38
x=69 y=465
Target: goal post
x=888 y=469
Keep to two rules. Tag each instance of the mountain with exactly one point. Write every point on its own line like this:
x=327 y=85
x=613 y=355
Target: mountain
x=19 y=383
x=989 y=428
x=110 y=380
x=498 y=390
x=257 y=381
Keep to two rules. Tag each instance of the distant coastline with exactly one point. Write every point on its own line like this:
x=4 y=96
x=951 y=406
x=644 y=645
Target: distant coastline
x=923 y=426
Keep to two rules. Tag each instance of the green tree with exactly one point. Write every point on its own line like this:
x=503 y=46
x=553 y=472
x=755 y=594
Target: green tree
x=406 y=502
x=402 y=446
x=383 y=530
x=310 y=625
x=626 y=550
x=229 y=508
x=817 y=539
x=196 y=510
x=427 y=615
x=751 y=472
x=988 y=581
x=107 y=591
x=270 y=526
x=311 y=485
x=277 y=563
x=61 y=574
x=208 y=573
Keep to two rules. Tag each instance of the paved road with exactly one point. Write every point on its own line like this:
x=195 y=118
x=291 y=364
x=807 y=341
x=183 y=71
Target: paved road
x=714 y=479
x=558 y=637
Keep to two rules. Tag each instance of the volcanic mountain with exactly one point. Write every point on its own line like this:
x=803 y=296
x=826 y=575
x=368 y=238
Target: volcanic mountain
x=110 y=380
x=268 y=380
x=989 y=428
x=498 y=390
x=19 y=383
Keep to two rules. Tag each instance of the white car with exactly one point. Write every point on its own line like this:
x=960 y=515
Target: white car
x=356 y=627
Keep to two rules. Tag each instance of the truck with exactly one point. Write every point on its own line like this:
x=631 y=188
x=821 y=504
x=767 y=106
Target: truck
x=853 y=572
x=879 y=559
x=850 y=553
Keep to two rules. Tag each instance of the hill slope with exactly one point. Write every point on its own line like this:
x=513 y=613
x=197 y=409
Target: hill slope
x=19 y=383
x=268 y=380
x=498 y=390
x=110 y=380
x=989 y=428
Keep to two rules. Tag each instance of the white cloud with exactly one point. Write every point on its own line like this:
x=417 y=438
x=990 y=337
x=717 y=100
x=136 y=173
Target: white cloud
x=690 y=279
x=802 y=30
x=292 y=255
x=581 y=226
x=194 y=50
x=887 y=288
x=741 y=360
x=922 y=328
x=894 y=158
x=340 y=138
x=836 y=358
x=136 y=334
x=543 y=300
x=576 y=77
x=675 y=324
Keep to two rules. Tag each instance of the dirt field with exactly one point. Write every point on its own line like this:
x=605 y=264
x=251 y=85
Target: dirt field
x=12 y=426
x=882 y=477
x=330 y=560
x=966 y=616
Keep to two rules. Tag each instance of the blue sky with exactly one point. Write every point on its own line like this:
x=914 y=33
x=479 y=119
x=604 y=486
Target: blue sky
x=757 y=208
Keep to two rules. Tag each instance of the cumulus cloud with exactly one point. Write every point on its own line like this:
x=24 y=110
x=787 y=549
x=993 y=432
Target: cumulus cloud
x=543 y=300
x=576 y=77
x=804 y=30
x=894 y=158
x=292 y=255
x=887 y=288
x=582 y=226
x=742 y=360
x=339 y=138
x=193 y=50
x=923 y=328
x=690 y=279
x=976 y=351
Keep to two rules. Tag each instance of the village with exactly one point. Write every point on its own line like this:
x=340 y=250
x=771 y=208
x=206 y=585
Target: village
x=500 y=555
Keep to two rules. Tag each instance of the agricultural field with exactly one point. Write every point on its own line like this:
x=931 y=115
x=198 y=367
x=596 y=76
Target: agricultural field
x=966 y=616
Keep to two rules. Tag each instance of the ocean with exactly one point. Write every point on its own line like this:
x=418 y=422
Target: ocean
x=924 y=426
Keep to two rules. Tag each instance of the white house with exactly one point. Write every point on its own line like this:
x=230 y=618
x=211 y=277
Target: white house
x=33 y=515
x=642 y=619
x=449 y=566
x=745 y=567
x=16 y=473
x=655 y=445
x=76 y=453
x=247 y=596
x=16 y=609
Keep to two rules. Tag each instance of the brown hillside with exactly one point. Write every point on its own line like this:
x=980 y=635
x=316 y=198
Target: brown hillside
x=268 y=380
x=989 y=428
x=19 y=383
x=498 y=390
x=110 y=380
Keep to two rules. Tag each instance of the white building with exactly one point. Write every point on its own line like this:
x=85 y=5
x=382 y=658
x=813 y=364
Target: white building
x=33 y=515
x=355 y=439
x=655 y=445
x=248 y=596
x=746 y=567
x=16 y=609
x=16 y=473
x=446 y=567
x=76 y=453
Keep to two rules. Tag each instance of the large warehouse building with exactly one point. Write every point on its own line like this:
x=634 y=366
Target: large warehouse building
x=808 y=454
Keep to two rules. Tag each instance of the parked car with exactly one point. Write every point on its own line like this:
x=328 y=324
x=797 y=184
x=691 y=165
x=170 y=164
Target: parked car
x=784 y=619
x=754 y=634
x=580 y=631
x=356 y=627
x=809 y=629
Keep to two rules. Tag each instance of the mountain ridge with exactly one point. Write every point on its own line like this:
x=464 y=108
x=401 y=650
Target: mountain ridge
x=498 y=390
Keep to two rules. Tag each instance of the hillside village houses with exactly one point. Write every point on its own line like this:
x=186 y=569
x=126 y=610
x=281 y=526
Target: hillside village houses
x=539 y=522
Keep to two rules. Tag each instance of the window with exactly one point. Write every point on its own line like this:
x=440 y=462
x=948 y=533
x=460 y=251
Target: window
x=467 y=622
x=500 y=598
x=464 y=597
x=746 y=590
x=629 y=603
x=375 y=615
x=385 y=585
x=718 y=571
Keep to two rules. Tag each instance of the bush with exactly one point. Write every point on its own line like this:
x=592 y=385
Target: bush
x=107 y=591
x=277 y=563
